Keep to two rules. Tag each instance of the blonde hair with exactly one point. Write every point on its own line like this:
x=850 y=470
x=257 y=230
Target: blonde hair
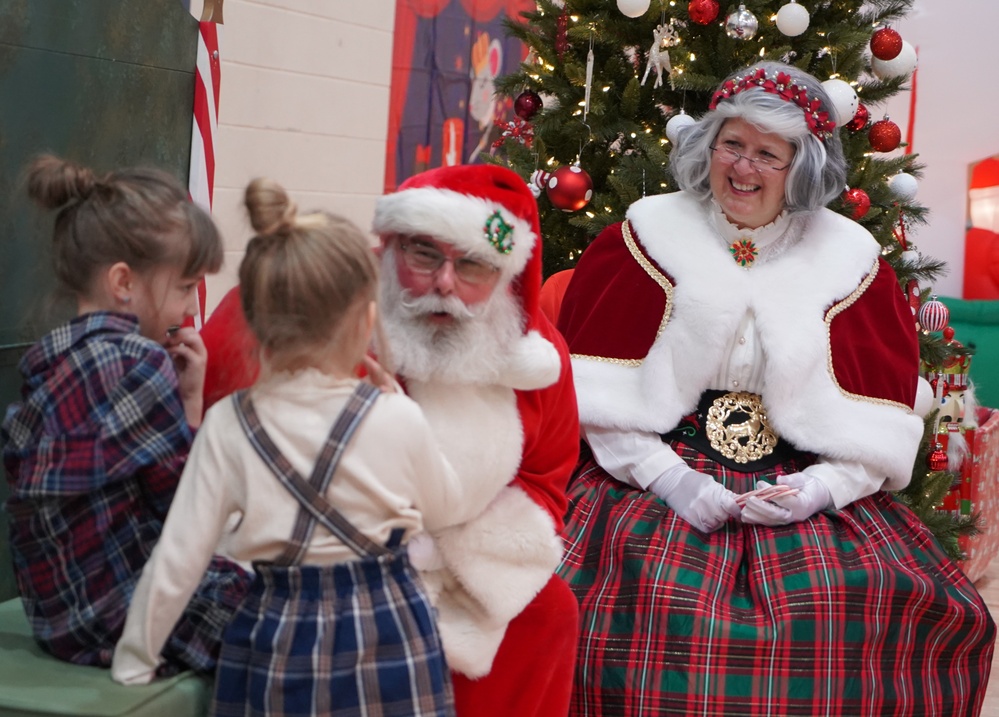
x=140 y=216
x=302 y=276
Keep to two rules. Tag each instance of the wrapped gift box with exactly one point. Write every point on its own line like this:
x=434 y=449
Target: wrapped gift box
x=978 y=492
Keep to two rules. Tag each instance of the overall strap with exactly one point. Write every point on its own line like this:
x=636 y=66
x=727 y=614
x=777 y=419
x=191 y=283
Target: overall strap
x=309 y=493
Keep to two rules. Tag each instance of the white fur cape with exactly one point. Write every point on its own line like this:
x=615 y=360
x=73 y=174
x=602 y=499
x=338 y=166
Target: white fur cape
x=790 y=297
x=503 y=547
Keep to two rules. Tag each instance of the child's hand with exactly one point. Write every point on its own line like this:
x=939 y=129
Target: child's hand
x=379 y=377
x=190 y=359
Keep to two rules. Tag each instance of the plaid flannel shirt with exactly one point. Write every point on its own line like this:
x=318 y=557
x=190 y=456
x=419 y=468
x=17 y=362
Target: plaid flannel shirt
x=93 y=453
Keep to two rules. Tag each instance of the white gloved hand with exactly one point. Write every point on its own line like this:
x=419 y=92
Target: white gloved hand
x=696 y=497
x=812 y=497
x=423 y=553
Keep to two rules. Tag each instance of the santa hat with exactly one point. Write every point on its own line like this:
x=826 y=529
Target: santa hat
x=489 y=212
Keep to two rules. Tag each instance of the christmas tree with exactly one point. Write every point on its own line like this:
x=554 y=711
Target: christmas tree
x=606 y=86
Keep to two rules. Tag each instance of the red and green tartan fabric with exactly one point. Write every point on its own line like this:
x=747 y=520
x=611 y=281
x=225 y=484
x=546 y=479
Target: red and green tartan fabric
x=852 y=612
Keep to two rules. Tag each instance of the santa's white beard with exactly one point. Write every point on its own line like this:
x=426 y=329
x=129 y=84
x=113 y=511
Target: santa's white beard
x=472 y=349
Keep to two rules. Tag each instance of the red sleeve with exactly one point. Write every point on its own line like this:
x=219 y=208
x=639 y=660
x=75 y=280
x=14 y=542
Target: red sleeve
x=552 y=291
x=613 y=307
x=551 y=435
x=232 y=350
x=875 y=351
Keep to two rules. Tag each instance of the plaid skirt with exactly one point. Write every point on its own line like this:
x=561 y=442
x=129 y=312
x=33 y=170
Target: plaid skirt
x=852 y=612
x=358 y=638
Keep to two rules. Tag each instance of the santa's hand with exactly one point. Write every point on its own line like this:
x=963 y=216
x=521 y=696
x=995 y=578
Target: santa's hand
x=812 y=497
x=423 y=553
x=696 y=497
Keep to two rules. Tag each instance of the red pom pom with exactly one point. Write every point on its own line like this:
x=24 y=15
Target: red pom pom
x=884 y=135
x=858 y=200
x=527 y=104
x=860 y=119
x=569 y=188
x=703 y=12
x=886 y=44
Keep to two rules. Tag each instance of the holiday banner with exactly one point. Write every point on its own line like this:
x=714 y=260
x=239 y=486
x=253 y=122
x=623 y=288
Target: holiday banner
x=446 y=56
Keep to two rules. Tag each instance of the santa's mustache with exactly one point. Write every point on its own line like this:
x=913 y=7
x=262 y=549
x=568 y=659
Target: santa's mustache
x=416 y=306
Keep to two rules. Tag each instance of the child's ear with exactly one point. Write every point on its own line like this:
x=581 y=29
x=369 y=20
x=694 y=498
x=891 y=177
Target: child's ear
x=367 y=319
x=121 y=279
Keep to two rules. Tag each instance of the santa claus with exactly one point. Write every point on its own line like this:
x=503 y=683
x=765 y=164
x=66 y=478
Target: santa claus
x=461 y=276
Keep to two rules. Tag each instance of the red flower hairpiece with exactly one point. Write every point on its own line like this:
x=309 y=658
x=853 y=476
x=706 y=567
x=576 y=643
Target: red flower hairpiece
x=819 y=123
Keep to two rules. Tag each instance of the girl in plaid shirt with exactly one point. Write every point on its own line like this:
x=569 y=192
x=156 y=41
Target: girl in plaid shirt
x=337 y=622
x=94 y=449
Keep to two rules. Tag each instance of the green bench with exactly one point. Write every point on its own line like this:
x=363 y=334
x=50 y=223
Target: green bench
x=32 y=683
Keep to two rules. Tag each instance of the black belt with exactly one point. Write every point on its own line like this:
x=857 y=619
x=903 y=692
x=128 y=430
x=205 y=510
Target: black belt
x=731 y=428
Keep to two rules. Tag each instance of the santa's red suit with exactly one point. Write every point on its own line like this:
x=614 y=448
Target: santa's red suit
x=508 y=625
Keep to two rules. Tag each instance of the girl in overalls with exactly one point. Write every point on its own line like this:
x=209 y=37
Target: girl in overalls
x=337 y=621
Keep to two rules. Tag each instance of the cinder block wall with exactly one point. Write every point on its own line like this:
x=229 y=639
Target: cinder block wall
x=304 y=100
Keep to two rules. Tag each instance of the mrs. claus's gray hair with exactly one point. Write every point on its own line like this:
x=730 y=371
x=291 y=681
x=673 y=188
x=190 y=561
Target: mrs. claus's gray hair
x=817 y=174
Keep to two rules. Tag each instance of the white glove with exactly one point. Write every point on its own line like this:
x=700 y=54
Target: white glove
x=812 y=496
x=696 y=497
x=423 y=553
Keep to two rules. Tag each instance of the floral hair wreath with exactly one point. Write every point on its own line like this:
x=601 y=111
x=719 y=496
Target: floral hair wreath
x=819 y=123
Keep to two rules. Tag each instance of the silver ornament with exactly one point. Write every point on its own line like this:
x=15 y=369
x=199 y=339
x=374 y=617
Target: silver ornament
x=742 y=24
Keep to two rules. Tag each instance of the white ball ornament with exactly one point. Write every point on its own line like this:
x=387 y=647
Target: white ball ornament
x=844 y=100
x=910 y=256
x=903 y=186
x=792 y=19
x=676 y=124
x=901 y=66
x=633 y=8
x=924 y=398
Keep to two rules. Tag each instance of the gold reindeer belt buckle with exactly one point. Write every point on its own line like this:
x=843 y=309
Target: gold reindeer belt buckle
x=737 y=427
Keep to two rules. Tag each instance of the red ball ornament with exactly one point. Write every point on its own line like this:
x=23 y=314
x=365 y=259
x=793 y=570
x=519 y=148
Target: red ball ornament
x=884 y=135
x=934 y=315
x=703 y=12
x=858 y=200
x=569 y=188
x=527 y=104
x=886 y=44
x=860 y=119
x=948 y=334
x=937 y=459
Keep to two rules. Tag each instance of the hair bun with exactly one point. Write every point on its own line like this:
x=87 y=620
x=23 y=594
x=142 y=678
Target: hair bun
x=270 y=209
x=53 y=181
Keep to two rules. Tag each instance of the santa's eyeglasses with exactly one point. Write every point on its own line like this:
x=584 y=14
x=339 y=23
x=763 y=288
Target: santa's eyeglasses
x=424 y=258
